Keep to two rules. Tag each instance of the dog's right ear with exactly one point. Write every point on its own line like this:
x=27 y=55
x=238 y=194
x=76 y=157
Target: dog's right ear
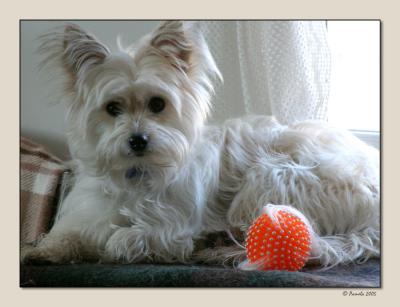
x=77 y=50
x=82 y=50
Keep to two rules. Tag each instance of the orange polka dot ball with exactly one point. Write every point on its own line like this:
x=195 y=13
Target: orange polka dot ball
x=279 y=243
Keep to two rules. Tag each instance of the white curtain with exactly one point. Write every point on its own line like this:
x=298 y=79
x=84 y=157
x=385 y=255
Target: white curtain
x=279 y=68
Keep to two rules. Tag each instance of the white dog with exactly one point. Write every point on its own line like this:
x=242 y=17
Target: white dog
x=151 y=178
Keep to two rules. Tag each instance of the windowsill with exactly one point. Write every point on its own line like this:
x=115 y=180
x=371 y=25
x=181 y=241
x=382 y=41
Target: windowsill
x=370 y=137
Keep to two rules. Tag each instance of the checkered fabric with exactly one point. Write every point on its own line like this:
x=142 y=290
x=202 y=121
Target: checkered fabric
x=40 y=174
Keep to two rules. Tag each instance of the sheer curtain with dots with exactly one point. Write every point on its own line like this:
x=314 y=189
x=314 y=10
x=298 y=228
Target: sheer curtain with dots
x=278 y=68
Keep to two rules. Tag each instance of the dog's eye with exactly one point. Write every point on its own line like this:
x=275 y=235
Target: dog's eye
x=156 y=104
x=114 y=108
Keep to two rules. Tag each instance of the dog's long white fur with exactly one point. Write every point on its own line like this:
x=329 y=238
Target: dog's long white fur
x=194 y=179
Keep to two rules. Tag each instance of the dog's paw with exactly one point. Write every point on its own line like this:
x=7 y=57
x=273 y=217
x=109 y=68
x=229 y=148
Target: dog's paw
x=51 y=249
x=126 y=245
x=38 y=255
x=130 y=245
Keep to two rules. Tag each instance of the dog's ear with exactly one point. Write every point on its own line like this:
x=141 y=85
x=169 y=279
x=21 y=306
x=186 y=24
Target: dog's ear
x=81 y=50
x=73 y=49
x=171 y=40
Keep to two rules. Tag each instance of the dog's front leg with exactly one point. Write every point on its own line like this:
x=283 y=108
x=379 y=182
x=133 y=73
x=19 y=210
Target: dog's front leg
x=135 y=244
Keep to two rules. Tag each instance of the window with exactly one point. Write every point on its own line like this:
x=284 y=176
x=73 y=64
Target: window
x=354 y=101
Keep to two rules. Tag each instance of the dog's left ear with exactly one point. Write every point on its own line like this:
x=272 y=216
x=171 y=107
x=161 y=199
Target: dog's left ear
x=171 y=40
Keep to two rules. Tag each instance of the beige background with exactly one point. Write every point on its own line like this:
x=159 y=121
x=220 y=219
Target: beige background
x=12 y=295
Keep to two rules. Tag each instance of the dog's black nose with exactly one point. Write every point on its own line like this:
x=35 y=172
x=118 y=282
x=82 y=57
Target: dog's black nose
x=138 y=142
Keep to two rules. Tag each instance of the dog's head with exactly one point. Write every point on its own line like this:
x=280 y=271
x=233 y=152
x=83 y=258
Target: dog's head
x=138 y=111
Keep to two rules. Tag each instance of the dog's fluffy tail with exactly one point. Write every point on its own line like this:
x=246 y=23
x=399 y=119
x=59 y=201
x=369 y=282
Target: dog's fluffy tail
x=329 y=251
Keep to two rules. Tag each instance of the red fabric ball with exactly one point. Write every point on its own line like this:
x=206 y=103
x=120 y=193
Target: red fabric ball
x=283 y=244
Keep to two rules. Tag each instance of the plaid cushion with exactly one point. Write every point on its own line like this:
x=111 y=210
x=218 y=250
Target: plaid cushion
x=40 y=174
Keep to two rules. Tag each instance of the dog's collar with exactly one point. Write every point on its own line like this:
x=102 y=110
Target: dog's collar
x=133 y=172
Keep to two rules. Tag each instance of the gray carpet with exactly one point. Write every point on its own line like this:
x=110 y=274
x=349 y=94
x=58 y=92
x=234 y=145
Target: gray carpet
x=157 y=275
